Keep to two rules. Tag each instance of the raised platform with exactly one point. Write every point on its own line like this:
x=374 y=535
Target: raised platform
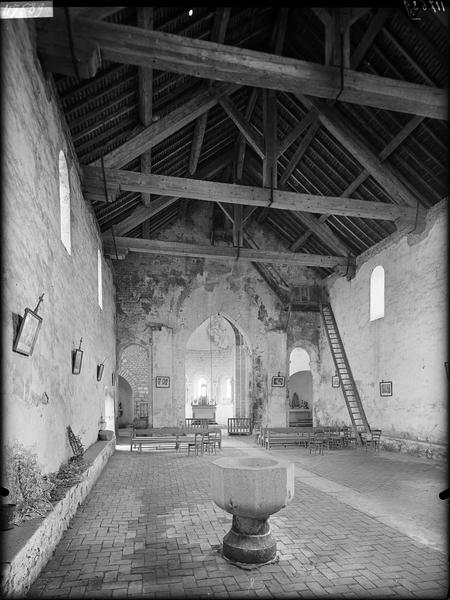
x=26 y=548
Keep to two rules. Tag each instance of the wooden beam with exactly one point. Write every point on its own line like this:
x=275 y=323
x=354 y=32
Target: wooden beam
x=270 y=178
x=197 y=142
x=142 y=213
x=376 y=25
x=297 y=156
x=323 y=14
x=393 y=144
x=199 y=58
x=145 y=20
x=339 y=127
x=239 y=194
x=226 y=213
x=254 y=139
x=323 y=233
x=162 y=129
x=296 y=132
x=219 y=28
x=241 y=144
x=237 y=225
x=126 y=244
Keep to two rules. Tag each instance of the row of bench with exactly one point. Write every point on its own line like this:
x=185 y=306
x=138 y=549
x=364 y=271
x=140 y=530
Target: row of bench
x=176 y=439
x=302 y=436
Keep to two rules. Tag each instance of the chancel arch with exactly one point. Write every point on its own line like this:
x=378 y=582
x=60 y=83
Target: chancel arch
x=217 y=368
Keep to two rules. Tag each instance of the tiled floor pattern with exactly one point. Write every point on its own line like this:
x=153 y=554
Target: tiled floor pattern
x=148 y=529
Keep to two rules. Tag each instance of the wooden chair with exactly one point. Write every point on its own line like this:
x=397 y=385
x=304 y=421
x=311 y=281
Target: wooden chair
x=319 y=441
x=198 y=445
x=212 y=441
x=373 y=440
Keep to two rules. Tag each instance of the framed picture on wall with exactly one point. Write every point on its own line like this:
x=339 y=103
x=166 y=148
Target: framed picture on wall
x=162 y=381
x=28 y=332
x=385 y=388
x=278 y=381
x=335 y=381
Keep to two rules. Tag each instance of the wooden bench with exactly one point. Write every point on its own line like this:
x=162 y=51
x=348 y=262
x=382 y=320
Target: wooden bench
x=154 y=438
x=281 y=436
x=174 y=439
x=284 y=436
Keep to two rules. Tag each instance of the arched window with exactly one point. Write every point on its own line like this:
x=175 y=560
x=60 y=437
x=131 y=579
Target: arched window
x=201 y=388
x=64 y=202
x=377 y=293
x=99 y=278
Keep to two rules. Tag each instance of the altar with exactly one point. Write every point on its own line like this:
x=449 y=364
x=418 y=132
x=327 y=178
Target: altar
x=204 y=411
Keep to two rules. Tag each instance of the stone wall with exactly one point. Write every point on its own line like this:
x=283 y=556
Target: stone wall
x=41 y=395
x=161 y=300
x=408 y=346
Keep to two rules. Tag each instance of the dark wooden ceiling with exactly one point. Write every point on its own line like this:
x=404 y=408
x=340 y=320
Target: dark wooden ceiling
x=327 y=125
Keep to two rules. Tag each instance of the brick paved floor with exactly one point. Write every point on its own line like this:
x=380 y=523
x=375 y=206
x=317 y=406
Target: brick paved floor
x=148 y=529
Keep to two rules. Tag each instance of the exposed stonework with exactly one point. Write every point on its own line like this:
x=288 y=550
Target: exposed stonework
x=179 y=294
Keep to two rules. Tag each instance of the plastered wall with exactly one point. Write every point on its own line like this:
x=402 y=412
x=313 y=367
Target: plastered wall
x=408 y=346
x=41 y=396
x=162 y=300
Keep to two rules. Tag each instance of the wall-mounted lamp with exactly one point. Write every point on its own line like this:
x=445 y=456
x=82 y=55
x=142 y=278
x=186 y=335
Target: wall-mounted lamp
x=77 y=357
x=100 y=368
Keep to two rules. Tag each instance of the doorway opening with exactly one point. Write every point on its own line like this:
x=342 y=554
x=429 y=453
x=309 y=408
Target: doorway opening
x=300 y=389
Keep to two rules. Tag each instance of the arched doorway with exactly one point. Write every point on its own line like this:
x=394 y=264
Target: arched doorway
x=217 y=371
x=125 y=406
x=300 y=388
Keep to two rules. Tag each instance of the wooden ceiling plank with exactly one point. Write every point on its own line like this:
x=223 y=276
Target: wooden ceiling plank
x=97 y=12
x=337 y=125
x=96 y=113
x=302 y=147
x=145 y=21
x=132 y=45
x=407 y=56
x=376 y=25
x=240 y=194
x=254 y=139
x=124 y=244
x=282 y=19
x=162 y=129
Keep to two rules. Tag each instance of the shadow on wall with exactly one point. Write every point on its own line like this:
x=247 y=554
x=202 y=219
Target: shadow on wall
x=125 y=411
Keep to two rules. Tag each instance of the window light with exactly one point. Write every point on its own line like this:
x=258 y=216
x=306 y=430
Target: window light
x=64 y=202
x=377 y=293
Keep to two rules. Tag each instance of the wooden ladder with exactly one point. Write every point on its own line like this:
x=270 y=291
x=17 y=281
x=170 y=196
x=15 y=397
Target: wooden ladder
x=349 y=389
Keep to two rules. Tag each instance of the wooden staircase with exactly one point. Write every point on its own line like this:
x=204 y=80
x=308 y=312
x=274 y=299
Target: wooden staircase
x=349 y=389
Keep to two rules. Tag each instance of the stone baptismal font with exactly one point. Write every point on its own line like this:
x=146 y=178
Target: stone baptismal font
x=251 y=488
